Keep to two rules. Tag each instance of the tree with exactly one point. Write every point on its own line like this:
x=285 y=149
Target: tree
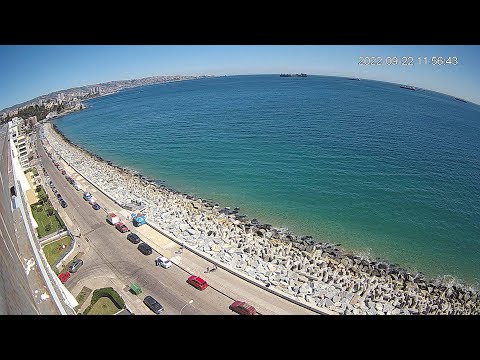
x=50 y=211
x=48 y=227
x=42 y=198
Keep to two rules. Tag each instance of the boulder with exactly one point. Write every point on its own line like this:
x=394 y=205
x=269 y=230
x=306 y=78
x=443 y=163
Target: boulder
x=328 y=302
x=305 y=289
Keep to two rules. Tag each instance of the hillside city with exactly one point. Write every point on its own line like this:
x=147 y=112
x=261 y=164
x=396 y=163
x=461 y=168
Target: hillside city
x=65 y=101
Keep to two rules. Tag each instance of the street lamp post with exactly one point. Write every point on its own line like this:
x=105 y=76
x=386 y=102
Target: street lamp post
x=191 y=301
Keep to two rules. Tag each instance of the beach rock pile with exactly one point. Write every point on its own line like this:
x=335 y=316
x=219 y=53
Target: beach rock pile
x=321 y=274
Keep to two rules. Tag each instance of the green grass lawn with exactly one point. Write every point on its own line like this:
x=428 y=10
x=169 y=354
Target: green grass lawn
x=43 y=220
x=103 y=306
x=54 y=250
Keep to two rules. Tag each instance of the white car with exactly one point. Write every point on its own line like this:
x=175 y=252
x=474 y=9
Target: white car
x=163 y=262
x=76 y=186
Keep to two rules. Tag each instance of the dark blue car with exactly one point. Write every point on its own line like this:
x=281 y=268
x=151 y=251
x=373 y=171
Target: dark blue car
x=96 y=206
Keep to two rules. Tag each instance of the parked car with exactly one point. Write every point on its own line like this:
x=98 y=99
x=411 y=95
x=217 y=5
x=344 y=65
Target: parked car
x=63 y=203
x=64 y=276
x=59 y=196
x=197 y=282
x=87 y=196
x=75 y=265
x=133 y=238
x=96 y=206
x=153 y=304
x=63 y=172
x=92 y=201
x=121 y=227
x=163 y=262
x=145 y=249
x=242 y=308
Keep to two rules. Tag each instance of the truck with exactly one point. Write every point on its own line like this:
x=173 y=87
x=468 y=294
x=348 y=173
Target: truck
x=112 y=218
x=138 y=219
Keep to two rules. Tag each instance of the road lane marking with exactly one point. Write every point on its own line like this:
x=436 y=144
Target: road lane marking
x=3 y=238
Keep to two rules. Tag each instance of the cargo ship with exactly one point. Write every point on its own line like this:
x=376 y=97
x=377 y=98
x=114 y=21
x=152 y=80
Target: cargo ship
x=293 y=75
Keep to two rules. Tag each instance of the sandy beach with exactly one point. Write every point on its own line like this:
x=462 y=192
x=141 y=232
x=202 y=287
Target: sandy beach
x=320 y=274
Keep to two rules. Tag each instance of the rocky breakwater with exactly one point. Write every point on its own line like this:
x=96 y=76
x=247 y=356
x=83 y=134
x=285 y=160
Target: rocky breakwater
x=321 y=274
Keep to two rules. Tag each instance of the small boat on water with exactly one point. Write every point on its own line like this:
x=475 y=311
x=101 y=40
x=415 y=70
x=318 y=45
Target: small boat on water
x=408 y=87
x=461 y=100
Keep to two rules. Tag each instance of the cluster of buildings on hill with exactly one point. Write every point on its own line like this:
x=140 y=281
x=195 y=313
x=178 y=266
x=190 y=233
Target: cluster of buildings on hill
x=56 y=104
x=70 y=100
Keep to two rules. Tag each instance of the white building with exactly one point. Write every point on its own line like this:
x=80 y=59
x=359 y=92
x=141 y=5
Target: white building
x=51 y=114
x=23 y=151
x=19 y=138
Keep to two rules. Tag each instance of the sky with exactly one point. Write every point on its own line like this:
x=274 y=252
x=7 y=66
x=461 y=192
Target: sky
x=28 y=71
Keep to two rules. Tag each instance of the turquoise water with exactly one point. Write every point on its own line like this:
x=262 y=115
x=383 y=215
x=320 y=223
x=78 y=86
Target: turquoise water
x=379 y=169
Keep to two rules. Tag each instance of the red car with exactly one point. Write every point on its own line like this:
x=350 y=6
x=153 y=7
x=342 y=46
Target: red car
x=197 y=282
x=242 y=308
x=64 y=276
x=121 y=227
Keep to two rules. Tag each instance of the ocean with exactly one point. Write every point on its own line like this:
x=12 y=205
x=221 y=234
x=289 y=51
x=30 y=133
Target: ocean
x=384 y=171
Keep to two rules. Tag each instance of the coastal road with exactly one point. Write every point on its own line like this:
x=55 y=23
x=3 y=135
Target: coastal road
x=109 y=254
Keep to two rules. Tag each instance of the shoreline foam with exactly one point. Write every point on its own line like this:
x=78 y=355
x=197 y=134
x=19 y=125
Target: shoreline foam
x=319 y=273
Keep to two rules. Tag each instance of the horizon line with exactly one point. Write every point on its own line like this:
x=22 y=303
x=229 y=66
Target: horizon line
x=224 y=75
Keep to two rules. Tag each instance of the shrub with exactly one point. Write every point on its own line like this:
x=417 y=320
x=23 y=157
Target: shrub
x=108 y=292
x=62 y=224
x=42 y=198
x=87 y=309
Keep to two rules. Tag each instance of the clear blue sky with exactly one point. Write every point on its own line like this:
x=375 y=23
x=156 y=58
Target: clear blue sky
x=30 y=71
